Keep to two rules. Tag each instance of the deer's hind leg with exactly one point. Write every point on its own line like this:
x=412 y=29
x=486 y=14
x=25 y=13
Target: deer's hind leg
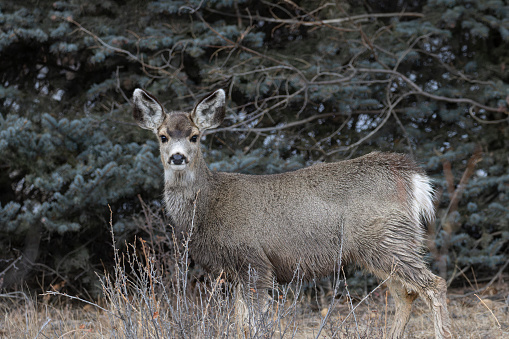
x=431 y=288
x=403 y=300
x=399 y=257
x=434 y=294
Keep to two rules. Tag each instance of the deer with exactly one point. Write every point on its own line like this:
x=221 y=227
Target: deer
x=372 y=209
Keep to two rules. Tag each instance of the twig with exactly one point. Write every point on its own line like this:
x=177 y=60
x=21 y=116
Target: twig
x=102 y=42
x=48 y=320
x=471 y=112
x=12 y=264
x=273 y=128
x=420 y=91
x=362 y=300
x=210 y=297
x=405 y=133
x=79 y=299
x=323 y=22
x=458 y=192
x=351 y=306
x=385 y=317
x=455 y=275
x=377 y=128
x=499 y=326
x=499 y=273
x=186 y=251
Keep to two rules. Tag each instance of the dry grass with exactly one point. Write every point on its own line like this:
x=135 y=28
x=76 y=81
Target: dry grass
x=23 y=316
x=142 y=306
x=27 y=317
x=151 y=294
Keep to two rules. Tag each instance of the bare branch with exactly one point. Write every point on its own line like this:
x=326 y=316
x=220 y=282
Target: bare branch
x=354 y=18
x=471 y=112
x=420 y=91
x=377 y=128
x=271 y=129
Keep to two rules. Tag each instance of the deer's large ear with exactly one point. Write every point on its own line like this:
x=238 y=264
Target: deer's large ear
x=209 y=112
x=147 y=111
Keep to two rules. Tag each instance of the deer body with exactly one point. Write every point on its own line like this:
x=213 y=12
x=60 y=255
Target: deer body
x=367 y=210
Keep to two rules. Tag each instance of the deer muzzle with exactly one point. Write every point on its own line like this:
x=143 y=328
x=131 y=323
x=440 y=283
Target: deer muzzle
x=178 y=159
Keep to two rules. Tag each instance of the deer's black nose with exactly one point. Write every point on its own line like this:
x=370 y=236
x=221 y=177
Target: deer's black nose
x=177 y=159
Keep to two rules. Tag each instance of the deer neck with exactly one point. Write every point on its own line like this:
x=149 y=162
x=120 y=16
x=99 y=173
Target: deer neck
x=182 y=189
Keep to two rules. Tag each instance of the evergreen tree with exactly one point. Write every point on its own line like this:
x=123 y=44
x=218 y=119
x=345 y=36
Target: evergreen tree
x=307 y=81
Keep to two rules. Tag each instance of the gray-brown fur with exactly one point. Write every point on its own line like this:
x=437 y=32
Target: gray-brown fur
x=276 y=223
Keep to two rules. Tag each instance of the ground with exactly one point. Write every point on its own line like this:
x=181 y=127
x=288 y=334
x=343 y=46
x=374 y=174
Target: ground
x=475 y=314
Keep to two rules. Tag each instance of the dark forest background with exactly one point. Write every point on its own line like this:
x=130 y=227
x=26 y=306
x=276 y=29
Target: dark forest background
x=306 y=81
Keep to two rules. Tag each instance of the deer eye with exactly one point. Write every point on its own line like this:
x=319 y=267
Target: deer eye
x=194 y=138
x=164 y=139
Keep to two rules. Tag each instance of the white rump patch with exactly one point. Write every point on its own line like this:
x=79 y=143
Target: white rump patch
x=423 y=192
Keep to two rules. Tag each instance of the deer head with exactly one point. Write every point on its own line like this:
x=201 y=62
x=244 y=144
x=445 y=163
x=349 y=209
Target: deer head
x=178 y=132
